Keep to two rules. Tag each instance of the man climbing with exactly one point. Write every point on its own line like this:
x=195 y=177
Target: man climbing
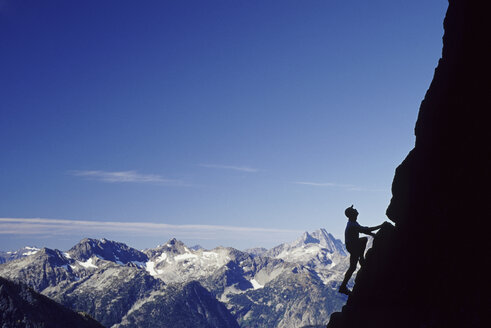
x=354 y=244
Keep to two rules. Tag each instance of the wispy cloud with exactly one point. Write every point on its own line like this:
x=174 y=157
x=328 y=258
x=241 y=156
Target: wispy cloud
x=60 y=227
x=125 y=176
x=230 y=167
x=330 y=184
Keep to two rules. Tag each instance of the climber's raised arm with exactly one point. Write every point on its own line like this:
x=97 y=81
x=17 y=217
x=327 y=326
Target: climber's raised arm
x=368 y=230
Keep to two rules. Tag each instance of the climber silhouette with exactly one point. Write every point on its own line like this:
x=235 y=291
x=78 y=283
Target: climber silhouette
x=354 y=244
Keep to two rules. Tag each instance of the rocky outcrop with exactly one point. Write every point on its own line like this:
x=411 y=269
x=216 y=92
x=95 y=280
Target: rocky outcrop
x=414 y=275
x=20 y=306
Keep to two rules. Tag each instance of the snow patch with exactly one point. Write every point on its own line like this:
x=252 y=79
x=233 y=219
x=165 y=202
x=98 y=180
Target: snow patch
x=183 y=257
x=88 y=264
x=32 y=250
x=150 y=267
x=161 y=258
x=29 y=253
x=256 y=285
x=211 y=254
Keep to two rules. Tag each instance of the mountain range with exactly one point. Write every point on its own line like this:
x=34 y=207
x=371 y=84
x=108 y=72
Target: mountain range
x=291 y=285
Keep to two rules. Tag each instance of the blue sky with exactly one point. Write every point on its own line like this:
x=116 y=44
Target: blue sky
x=234 y=123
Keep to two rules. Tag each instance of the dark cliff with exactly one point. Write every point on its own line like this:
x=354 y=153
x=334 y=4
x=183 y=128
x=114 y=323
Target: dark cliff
x=427 y=269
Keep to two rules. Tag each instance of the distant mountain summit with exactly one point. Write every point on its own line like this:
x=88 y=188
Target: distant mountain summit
x=173 y=246
x=175 y=262
x=318 y=250
x=196 y=247
x=107 y=250
x=319 y=238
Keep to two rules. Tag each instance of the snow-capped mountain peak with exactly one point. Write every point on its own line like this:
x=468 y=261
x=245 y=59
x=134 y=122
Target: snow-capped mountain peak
x=176 y=262
x=319 y=239
x=318 y=250
x=328 y=241
x=305 y=238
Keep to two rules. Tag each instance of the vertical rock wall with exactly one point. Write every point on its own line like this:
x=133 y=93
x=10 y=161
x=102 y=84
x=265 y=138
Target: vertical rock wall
x=429 y=269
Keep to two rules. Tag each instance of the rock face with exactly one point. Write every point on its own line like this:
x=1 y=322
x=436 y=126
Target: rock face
x=439 y=192
x=21 y=306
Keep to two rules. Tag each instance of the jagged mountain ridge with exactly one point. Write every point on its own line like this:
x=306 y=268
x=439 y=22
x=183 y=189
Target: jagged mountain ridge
x=108 y=250
x=118 y=285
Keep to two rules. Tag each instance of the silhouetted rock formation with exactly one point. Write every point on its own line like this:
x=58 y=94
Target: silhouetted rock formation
x=425 y=271
x=20 y=306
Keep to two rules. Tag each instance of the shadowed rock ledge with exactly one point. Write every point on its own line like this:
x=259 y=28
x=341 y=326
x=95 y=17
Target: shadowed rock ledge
x=426 y=270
